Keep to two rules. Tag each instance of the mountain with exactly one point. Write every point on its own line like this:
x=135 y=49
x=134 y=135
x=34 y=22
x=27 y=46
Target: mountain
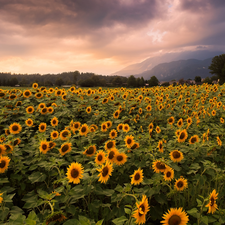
x=175 y=70
x=150 y=63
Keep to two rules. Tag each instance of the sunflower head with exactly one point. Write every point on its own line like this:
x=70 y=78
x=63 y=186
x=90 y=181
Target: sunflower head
x=110 y=144
x=42 y=127
x=15 y=128
x=90 y=151
x=84 y=130
x=137 y=177
x=113 y=134
x=4 y=163
x=168 y=174
x=65 y=148
x=100 y=158
x=120 y=158
x=158 y=166
x=181 y=184
x=105 y=172
x=74 y=173
x=212 y=202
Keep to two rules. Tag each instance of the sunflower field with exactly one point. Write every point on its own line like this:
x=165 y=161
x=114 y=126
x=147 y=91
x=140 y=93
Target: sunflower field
x=112 y=156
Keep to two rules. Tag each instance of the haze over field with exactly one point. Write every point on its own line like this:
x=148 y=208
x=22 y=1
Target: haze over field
x=103 y=36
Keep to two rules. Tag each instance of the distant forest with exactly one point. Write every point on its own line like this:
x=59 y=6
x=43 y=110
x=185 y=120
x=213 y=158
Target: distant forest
x=69 y=78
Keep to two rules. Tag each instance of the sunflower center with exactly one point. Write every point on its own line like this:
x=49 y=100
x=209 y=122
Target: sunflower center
x=65 y=134
x=112 y=134
x=44 y=147
x=42 y=127
x=180 y=184
x=100 y=157
x=2 y=164
x=176 y=155
x=76 y=125
x=160 y=166
x=65 y=148
x=54 y=134
x=142 y=209
x=83 y=129
x=168 y=174
x=211 y=201
x=54 y=121
x=120 y=127
x=160 y=145
x=74 y=173
x=129 y=141
x=111 y=155
x=51 y=144
x=120 y=158
x=110 y=144
x=116 y=113
x=105 y=171
x=27 y=93
x=16 y=142
x=170 y=120
x=137 y=176
x=90 y=150
x=15 y=128
x=29 y=109
x=134 y=146
x=174 y=220
x=182 y=135
x=193 y=140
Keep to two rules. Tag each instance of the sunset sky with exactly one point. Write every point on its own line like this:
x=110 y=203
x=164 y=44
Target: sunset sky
x=103 y=36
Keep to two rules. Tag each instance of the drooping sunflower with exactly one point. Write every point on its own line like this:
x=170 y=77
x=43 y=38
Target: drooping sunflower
x=113 y=134
x=104 y=127
x=42 y=127
x=111 y=155
x=129 y=141
x=54 y=217
x=171 y=120
x=212 y=202
x=27 y=93
x=44 y=147
x=193 y=139
x=65 y=148
x=126 y=128
x=100 y=158
x=83 y=130
x=29 y=122
x=219 y=142
x=30 y=109
x=137 y=177
x=120 y=158
x=182 y=136
x=105 y=172
x=175 y=216
x=142 y=210
x=181 y=184
x=4 y=163
x=74 y=172
x=176 y=156
x=160 y=146
x=120 y=127
x=90 y=151
x=158 y=166
x=15 y=128
x=2 y=150
x=54 y=134
x=168 y=174
x=65 y=134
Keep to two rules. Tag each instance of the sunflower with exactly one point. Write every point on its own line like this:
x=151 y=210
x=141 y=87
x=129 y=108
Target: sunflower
x=74 y=172
x=104 y=127
x=212 y=202
x=142 y=209
x=168 y=174
x=83 y=130
x=171 y=120
x=15 y=128
x=180 y=122
x=213 y=112
x=16 y=142
x=137 y=177
x=126 y=128
x=19 y=103
x=39 y=95
x=88 y=109
x=193 y=139
x=175 y=216
x=44 y=147
x=35 y=85
x=109 y=124
x=189 y=121
x=150 y=126
x=7 y=132
x=181 y=184
x=116 y=114
x=135 y=145
x=51 y=144
x=54 y=217
x=9 y=148
x=111 y=155
x=30 y=109
x=29 y=122
x=105 y=172
x=176 y=156
x=96 y=97
x=221 y=120
x=12 y=97
x=182 y=136
x=50 y=109
x=58 y=92
x=4 y=163
x=54 y=134
x=160 y=146
x=110 y=144
x=113 y=134
x=27 y=93
x=2 y=150
x=100 y=158
x=41 y=105
x=140 y=110
x=65 y=134
x=65 y=148
x=219 y=142
x=1 y=199
x=120 y=158
x=129 y=141
x=105 y=100
x=120 y=127
x=42 y=127
x=158 y=130
x=158 y=166
x=90 y=151
x=149 y=108
x=76 y=126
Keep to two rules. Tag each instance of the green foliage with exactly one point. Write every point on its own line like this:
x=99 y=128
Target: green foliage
x=153 y=81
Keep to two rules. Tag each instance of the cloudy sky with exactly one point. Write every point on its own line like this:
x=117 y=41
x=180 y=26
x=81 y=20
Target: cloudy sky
x=103 y=36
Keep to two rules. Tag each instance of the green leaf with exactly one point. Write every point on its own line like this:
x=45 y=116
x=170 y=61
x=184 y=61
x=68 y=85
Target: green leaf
x=4 y=180
x=37 y=177
x=194 y=212
x=84 y=220
x=71 y=222
x=205 y=220
x=120 y=220
x=100 y=222
x=127 y=211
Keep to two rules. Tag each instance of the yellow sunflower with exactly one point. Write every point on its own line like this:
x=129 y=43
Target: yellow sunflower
x=110 y=144
x=137 y=177
x=29 y=122
x=113 y=134
x=50 y=109
x=104 y=127
x=135 y=145
x=76 y=126
x=160 y=146
x=1 y=199
x=181 y=184
x=180 y=122
x=39 y=95
x=109 y=124
x=193 y=139
x=4 y=163
x=120 y=127
x=212 y=202
x=120 y=158
x=65 y=148
x=100 y=158
x=105 y=172
x=158 y=166
x=176 y=156
x=65 y=134
x=44 y=147
x=116 y=114
x=16 y=142
x=111 y=154
x=2 y=150
x=90 y=151
x=126 y=128
x=83 y=130
x=54 y=121
x=158 y=130
x=15 y=128
x=219 y=142
x=129 y=141
x=9 y=148
x=175 y=216
x=35 y=85
x=168 y=174
x=42 y=127
x=141 y=212
x=54 y=134
x=88 y=109
x=171 y=120
x=74 y=173
x=27 y=93
x=182 y=136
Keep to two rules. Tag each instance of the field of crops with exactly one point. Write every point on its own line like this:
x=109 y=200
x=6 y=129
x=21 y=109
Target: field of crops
x=112 y=156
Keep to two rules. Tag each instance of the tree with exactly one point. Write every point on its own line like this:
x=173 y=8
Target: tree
x=217 y=67
x=153 y=81
x=59 y=82
x=198 y=79
x=117 y=81
x=131 y=82
x=13 y=81
x=207 y=80
x=142 y=83
x=76 y=76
